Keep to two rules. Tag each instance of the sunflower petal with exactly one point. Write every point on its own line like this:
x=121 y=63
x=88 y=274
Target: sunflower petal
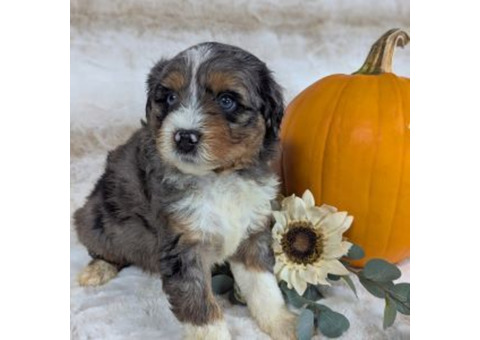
x=309 y=274
x=322 y=280
x=318 y=214
x=345 y=245
x=281 y=258
x=335 y=267
x=334 y=251
x=346 y=223
x=280 y=218
x=297 y=210
x=277 y=268
x=284 y=275
x=328 y=208
x=322 y=273
x=334 y=222
x=277 y=232
x=315 y=215
x=308 y=198
x=333 y=236
x=297 y=282
x=277 y=247
x=287 y=202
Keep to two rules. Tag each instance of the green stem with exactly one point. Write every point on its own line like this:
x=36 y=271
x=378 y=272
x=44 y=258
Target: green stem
x=380 y=57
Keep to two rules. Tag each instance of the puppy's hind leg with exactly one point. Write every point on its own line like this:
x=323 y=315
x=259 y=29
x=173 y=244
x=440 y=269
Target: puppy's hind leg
x=97 y=272
x=105 y=265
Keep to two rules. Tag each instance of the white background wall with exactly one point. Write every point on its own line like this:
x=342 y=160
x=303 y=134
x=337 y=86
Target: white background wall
x=114 y=45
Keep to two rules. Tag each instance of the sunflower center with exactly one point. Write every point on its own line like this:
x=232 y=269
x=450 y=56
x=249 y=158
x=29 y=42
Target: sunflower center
x=302 y=243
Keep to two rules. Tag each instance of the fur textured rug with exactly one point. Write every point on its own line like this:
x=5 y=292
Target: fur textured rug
x=112 y=50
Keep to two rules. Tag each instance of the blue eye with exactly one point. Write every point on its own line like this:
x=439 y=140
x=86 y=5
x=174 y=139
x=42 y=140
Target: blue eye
x=171 y=98
x=227 y=103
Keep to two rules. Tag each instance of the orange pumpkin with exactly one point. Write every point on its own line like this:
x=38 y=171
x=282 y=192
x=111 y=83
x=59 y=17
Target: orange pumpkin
x=347 y=139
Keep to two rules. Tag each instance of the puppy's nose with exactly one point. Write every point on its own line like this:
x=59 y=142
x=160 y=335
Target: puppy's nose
x=186 y=140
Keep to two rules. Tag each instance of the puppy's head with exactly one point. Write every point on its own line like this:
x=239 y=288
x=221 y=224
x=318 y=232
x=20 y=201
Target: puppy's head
x=213 y=107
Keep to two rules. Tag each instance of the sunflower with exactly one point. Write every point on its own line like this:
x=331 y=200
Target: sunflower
x=308 y=241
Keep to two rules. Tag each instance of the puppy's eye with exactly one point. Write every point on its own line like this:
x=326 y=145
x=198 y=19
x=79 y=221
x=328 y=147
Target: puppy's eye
x=227 y=103
x=171 y=98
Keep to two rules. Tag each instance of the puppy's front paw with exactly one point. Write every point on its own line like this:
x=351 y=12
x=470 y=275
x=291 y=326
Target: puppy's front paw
x=98 y=272
x=214 y=331
x=281 y=326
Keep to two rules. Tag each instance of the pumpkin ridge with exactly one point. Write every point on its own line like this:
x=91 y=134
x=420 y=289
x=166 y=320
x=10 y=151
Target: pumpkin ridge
x=402 y=171
x=327 y=138
x=391 y=219
x=365 y=234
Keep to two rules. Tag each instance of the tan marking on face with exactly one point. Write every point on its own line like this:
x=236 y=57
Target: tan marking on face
x=175 y=81
x=231 y=146
x=220 y=82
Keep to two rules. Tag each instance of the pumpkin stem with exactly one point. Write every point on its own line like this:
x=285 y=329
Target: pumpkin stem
x=380 y=57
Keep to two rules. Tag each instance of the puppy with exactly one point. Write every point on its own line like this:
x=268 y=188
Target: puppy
x=192 y=188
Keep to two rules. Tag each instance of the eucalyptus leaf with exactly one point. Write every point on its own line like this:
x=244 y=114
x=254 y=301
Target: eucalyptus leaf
x=381 y=271
x=350 y=284
x=390 y=312
x=401 y=292
x=292 y=296
x=221 y=283
x=305 y=325
x=312 y=293
x=375 y=288
x=355 y=252
x=333 y=277
x=403 y=307
x=330 y=323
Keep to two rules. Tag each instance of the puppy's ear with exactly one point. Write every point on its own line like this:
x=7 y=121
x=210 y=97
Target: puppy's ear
x=272 y=108
x=153 y=81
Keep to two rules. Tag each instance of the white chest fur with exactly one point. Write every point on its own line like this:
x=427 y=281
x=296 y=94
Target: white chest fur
x=226 y=208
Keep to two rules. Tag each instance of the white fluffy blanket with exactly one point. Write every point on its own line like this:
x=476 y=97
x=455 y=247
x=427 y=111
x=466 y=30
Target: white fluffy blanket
x=112 y=48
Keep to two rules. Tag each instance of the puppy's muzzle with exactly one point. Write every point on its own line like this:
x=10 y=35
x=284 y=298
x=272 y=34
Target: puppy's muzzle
x=186 y=141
